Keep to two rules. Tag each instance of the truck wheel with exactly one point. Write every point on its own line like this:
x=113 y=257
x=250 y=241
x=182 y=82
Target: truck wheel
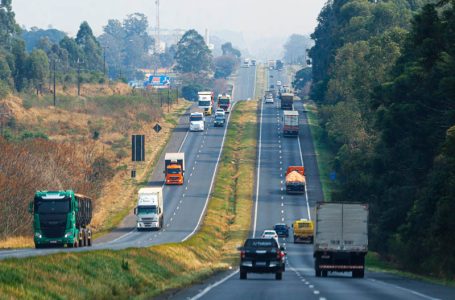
x=324 y=273
x=243 y=275
x=295 y=240
x=278 y=275
x=38 y=246
x=89 y=242
x=312 y=240
x=317 y=272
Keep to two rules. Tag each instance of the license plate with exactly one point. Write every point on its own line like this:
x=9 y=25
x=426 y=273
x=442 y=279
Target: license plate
x=261 y=263
x=52 y=242
x=261 y=251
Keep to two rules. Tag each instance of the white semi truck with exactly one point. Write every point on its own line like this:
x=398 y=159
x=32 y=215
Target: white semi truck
x=150 y=210
x=341 y=238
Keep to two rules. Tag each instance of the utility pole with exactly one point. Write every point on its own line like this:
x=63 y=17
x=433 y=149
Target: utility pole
x=55 y=96
x=157 y=29
x=168 y=98
x=78 y=77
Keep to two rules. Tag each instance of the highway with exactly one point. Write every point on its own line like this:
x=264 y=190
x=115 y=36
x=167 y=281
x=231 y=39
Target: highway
x=272 y=206
x=184 y=205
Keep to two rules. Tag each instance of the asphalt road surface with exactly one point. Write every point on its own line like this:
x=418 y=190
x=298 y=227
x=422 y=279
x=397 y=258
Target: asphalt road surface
x=273 y=206
x=184 y=205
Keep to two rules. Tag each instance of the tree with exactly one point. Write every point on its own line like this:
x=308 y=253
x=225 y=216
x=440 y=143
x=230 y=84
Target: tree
x=295 y=49
x=302 y=77
x=224 y=66
x=229 y=50
x=34 y=37
x=90 y=48
x=193 y=55
x=38 y=69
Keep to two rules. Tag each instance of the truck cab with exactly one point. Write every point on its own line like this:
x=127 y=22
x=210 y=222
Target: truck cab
x=149 y=209
x=205 y=102
x=174 y=168
x=197 y=121
x=224 y=102
x=61 y=218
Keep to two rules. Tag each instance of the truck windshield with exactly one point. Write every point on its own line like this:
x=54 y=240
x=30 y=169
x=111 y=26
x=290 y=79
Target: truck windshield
x=223 y=101
x=204 y=102
x=146 y=210
x=173 y=171
x=195 y=118
x=60 y=206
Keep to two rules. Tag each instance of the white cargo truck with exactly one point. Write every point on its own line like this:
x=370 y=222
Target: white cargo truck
x=341 y=238
x=149 y=211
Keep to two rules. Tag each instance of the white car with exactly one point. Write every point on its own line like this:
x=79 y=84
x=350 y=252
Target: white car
x=269 y=99
x=278 y=83
x=220 y=111
x=268 y=233
x=197 y=121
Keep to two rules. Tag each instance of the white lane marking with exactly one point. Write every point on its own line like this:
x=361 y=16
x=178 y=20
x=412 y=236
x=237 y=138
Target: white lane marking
x=316 y=292
x=322 y=298
x=258 y=176
x=213 y=179
x=306 y=190
x=311 y=286
x=210 y=287
x=282 y=211
x=404 y=289
x=282 y=204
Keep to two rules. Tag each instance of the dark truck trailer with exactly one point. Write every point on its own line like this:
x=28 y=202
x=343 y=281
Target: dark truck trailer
x=61 y=218
x=290 y=123
x=287 y=101
x=341 y=238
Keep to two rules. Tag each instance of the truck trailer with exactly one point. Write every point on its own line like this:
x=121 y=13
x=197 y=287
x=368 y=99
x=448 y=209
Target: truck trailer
x=295 y=180
x=205 y=102
x=174 y=168
x=341 y=238
x=287 y=101
x=149 y=210
x=290 y=123
x=61 y=218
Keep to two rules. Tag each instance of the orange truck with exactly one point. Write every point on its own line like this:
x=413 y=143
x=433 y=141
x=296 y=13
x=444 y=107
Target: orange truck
x=174 y=167
x=295 y=180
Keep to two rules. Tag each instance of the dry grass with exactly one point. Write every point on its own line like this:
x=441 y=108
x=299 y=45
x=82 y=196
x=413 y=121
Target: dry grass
x=145 y=272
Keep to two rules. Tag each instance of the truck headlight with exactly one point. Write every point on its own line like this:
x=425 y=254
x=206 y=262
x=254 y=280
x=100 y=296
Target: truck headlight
x=68 y=234
x=38 y=235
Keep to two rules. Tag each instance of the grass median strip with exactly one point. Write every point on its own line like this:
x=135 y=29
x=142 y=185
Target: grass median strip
x=145 y=272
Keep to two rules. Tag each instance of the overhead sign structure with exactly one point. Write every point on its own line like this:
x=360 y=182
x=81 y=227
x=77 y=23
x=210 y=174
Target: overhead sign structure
x=159 y=81
x=138 y=147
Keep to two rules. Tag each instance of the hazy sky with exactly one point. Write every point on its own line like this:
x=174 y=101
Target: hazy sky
x=252 y=17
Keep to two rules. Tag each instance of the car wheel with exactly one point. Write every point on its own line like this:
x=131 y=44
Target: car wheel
x=324 y=273
x=278 y=276
x=243 y=275
x=317 y=272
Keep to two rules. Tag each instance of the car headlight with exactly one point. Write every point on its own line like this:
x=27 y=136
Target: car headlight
x=68 y=234
x=38 y=235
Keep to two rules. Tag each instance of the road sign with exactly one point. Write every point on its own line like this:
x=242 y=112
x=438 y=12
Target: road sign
x=159 y=81
x=157 y=128
x=333 y=175
x=138 y=147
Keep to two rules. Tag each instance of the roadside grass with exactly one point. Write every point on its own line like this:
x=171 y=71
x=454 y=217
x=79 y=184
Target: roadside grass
x=375 y=263
x=324 y=155
x=261 y=82
x=141 y=273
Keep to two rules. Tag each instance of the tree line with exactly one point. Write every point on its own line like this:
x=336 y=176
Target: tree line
x=383 y=74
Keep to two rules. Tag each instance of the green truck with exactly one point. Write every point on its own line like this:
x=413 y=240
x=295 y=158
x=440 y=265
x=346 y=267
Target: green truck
x=61 y=218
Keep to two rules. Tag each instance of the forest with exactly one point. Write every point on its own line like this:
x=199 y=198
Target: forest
x=383 y=74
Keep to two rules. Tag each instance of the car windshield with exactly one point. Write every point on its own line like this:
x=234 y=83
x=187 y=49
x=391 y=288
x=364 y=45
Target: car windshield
x=219 y=118
x=262 y=243
x=269 y=233
x=195 y=118
x=280 y=227
x=146 y=210
x=173 y=171
x=223 y=101
x=59 y=206
x=204 y=102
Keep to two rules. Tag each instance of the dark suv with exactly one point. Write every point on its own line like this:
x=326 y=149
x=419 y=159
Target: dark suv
x=262 y=255
x=281 y=229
